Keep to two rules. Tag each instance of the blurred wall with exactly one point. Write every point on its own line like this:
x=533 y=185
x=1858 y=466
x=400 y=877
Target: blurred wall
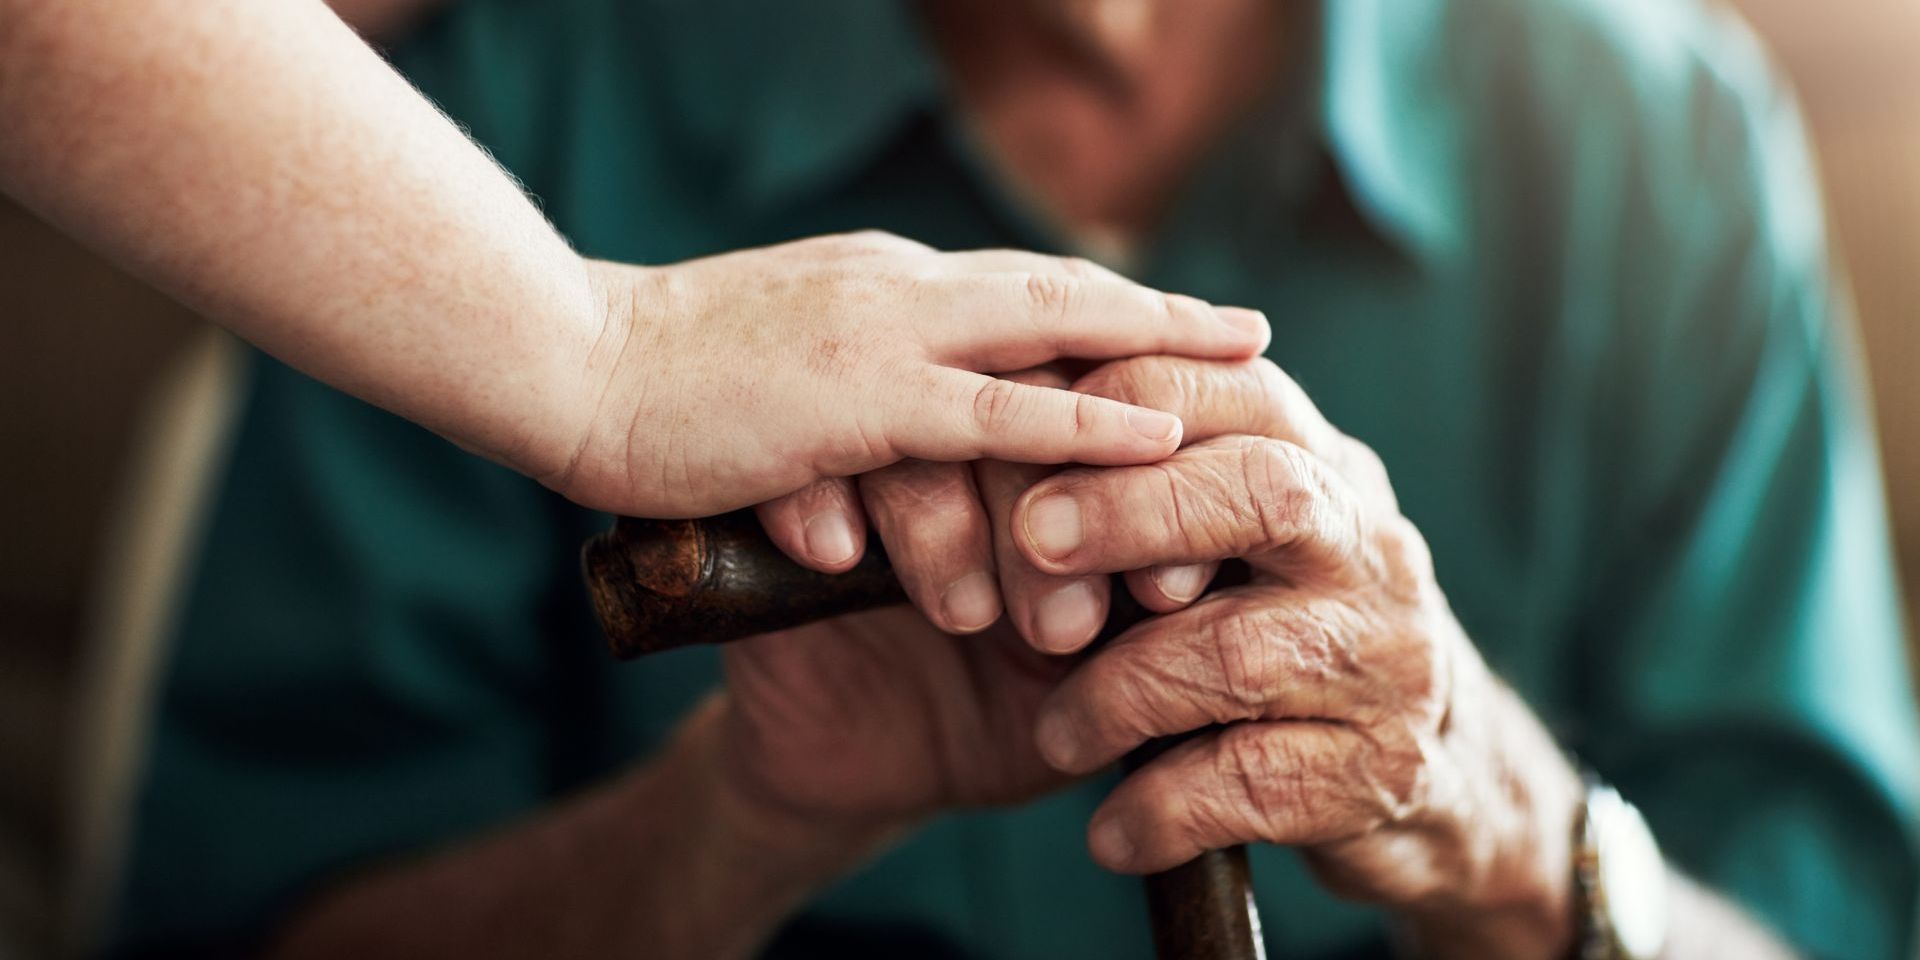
x=80 y=343
x=1856 y=64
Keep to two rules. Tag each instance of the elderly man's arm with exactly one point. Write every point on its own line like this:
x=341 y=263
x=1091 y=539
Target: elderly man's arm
x=669 y=861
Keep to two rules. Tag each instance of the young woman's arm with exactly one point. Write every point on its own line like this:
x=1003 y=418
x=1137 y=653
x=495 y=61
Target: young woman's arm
x=261 y=163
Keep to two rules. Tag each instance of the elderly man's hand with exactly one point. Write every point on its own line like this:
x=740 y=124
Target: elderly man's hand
x=1344 y=710
x=865 y=724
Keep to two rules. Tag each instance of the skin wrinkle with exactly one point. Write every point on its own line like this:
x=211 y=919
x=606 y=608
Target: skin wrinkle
x=1176 y=505
x=1309 y=631
x=993 y=403
x=1082 y=414
x=1050 y=296
x=1244 y=663
x=1278 y=768
x=1137 y=698
x=1279 y=506
x=619 y=306
x=1258 y=781
x=935 y=539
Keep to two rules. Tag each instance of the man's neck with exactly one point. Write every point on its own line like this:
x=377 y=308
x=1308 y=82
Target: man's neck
x=1099 y=109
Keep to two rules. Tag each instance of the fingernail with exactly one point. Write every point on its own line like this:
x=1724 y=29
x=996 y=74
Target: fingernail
x=1057 y=742
x=1251 y=322
x=1181 y=583
x=1110 y=842
x=829 y=537
x=1152 y=424
x=1066 y=619
x=1053 y=526
x=970 y=603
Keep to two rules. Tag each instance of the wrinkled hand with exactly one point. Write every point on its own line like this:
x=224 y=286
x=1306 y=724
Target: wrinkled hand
x=739 y=378
x=1345 y=710
x=873 y=721
x=882 y=717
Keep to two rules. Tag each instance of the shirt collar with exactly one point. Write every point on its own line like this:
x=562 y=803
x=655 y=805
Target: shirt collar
x=826 y=86
x=1388 y=122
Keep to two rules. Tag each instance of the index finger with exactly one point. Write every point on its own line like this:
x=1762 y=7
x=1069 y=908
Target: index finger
x=1218 y=398
x=1223 y=498
x=1010 y=321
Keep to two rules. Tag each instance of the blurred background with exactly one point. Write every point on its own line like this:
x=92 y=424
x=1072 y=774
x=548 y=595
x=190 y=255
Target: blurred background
x=81 y=345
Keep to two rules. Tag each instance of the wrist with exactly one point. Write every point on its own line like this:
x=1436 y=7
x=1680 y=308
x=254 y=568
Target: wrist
x=827 y=844
x=738 y=866
x=602 y=388
x=1522 y=904
x=793 y=853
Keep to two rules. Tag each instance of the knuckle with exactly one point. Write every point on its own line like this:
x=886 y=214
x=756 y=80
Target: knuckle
x=1179 y=522
x=995 y=404
x=835 y=244
x=934 y=493
x=1293 y=414
x=1405 y=559
x=1185 y=309
x=1282 y=504
x=1172 y=813
x=1049 y=294
x=826 y=493
x=923 y=513
x=859 y=243
x=1160 y=306
x=1395 y=772
x=1416 y=680
x=835 y=289
x=1323 y=649
x=877 y=240
x=1368 y=471
x=1133 y=698
x=1261 y=774
x=1246 y=666
x=1273 y=392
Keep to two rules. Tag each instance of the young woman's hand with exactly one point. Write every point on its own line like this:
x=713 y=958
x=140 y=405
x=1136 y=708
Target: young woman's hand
x=735 y=379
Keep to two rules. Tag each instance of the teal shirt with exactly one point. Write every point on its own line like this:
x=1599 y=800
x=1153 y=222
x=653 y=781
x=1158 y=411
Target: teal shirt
x=1559 y=261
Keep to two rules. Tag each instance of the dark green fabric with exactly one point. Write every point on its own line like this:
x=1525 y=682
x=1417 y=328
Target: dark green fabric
x=1558 y=261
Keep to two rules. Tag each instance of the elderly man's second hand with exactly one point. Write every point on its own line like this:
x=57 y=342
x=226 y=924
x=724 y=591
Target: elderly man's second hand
x=1359 y=720
x=1355 y=718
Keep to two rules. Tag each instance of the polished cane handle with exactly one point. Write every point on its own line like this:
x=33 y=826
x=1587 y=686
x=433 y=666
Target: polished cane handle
x=663 y=584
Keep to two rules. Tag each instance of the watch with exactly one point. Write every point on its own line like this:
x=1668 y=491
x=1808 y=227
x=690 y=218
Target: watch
x=1620 y=881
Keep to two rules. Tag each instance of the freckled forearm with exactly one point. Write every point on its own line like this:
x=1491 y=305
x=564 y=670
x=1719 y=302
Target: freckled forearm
x=263 y=165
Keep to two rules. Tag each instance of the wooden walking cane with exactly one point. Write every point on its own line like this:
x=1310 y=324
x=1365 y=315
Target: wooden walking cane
x=663 y=584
